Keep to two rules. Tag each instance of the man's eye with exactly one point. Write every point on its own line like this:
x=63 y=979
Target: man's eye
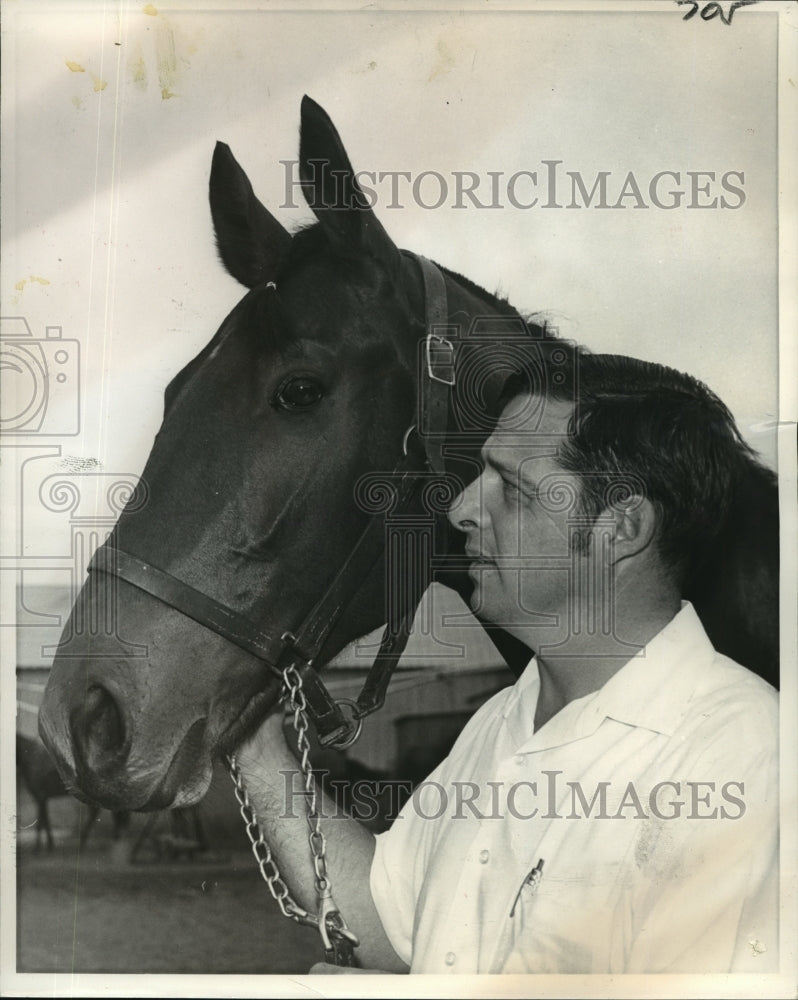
x=512 y=490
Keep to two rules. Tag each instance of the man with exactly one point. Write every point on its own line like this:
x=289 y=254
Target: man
x=616 y=810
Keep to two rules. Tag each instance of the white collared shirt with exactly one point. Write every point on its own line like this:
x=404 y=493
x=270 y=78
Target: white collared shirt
x=630 y=880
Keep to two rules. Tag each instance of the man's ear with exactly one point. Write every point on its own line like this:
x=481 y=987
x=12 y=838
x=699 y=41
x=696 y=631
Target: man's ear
x=635 y=526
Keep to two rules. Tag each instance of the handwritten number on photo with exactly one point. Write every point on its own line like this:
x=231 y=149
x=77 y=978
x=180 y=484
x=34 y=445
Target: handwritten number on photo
x=709 y=11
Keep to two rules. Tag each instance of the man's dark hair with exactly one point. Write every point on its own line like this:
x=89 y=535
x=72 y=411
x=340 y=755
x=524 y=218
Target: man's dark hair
x=636 y=422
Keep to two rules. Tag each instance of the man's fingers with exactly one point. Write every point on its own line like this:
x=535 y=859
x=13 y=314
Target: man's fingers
x=325 y=969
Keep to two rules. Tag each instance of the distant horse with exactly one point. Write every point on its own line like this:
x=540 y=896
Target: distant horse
x=250 y=551
x=36 y=771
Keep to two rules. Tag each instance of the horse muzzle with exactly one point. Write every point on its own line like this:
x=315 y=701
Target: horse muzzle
x=99 y=757
x=139 y=730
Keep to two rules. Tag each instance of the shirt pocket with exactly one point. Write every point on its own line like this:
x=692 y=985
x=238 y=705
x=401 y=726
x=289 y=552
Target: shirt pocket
x=568 y=920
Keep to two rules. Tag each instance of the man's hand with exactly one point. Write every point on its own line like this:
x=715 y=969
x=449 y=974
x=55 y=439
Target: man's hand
x=325 y=969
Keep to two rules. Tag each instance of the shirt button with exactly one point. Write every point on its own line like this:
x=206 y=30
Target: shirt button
x=519 y=758
x=450 y=958
x=484 y=856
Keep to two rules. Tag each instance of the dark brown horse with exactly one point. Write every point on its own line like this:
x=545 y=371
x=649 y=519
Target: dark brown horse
x=37 y=773
x=311 y=385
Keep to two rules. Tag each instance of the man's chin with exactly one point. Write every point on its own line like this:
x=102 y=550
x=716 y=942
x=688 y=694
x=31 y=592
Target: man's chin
x=482 y=606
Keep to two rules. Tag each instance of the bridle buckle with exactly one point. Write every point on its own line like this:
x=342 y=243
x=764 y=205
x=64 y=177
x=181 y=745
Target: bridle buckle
x=440 y=359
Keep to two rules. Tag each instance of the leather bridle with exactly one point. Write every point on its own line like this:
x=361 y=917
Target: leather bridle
x=282 y=649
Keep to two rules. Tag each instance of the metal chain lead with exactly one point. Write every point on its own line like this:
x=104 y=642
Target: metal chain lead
x=329 y=917
x=263 y=855
x=316 y=839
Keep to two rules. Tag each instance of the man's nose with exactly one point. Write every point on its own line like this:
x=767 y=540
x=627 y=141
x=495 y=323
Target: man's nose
x=464 y=509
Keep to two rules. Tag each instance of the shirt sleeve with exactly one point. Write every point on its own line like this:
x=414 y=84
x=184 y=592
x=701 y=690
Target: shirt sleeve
x=400 y=863
x=404 y=853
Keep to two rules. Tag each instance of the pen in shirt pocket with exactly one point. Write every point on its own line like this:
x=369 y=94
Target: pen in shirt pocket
x=532 y=880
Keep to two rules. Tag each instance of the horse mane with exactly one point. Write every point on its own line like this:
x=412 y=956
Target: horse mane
x=536 y=323
x=500 y=304
x=736 y=591
x=309 y=237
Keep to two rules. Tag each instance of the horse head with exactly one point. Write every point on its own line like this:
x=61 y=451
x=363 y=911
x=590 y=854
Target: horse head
x=309 y=385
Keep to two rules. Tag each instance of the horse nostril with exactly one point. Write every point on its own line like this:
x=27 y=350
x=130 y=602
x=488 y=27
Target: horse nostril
x=99 y=729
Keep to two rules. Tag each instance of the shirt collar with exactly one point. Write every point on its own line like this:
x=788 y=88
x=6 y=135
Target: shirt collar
x=652 y=690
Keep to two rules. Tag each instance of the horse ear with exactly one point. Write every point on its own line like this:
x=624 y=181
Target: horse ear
x=249 y=238
x=333 y=193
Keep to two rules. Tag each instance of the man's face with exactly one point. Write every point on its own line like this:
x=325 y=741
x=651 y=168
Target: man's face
x=516 y=518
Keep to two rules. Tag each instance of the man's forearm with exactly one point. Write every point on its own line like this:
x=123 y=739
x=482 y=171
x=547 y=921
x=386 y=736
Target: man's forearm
x=273 y=779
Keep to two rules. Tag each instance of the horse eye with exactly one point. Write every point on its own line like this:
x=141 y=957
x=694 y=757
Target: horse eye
x=299 y=392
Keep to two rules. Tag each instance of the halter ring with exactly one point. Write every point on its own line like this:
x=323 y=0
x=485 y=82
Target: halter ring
x=406 y=438
x=355 y=725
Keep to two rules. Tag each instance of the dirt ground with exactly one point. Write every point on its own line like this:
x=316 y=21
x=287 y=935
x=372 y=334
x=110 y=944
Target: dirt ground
x=91 y=910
